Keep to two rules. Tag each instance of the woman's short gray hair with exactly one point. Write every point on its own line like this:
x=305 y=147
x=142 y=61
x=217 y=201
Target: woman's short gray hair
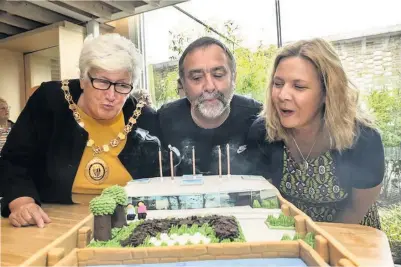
x=110 y=52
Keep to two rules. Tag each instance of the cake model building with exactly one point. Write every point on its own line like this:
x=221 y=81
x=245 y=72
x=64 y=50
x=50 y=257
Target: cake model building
x=239 y=220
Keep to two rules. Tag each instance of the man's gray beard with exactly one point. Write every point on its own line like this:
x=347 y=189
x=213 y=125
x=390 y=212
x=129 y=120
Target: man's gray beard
x=214 y=110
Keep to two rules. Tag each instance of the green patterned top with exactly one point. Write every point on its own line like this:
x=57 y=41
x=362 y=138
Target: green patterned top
x=316 y=190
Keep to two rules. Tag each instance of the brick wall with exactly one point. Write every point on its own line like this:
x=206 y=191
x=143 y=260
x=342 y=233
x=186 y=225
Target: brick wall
x=372 y=62
x=115 y=256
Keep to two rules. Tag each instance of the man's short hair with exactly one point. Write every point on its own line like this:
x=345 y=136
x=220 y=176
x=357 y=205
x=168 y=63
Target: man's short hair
x=205 y=42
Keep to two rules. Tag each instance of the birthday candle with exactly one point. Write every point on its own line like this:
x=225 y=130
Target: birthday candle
x=171 y=164
x=193 y=161
x=219 y=161
x=228 y=159
x=160 y=164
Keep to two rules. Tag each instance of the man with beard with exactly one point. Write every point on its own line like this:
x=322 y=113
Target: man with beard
x=210 y=115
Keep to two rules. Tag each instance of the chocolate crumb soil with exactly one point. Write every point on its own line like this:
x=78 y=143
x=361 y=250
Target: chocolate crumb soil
x=225 y=227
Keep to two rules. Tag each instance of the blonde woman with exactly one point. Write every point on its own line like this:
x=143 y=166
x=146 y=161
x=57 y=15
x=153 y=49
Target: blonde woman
x=318 y=148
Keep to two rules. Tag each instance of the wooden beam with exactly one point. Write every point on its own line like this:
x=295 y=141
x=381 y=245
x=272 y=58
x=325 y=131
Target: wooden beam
x=10 y=30
x=154 y=3
x=60 y=9
x=3 y=35
x=18 y=21
x=125 y=6
x=33 y=12
x=161 y=4
x=141 y=7
x=92 y=7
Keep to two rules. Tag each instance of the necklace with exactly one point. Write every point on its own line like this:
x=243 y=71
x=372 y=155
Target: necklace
x=97 y=170
x=306 y=163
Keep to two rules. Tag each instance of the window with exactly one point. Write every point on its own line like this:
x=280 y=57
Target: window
x=247 y=28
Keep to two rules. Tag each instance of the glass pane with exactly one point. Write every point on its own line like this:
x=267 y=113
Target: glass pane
x=249 y=30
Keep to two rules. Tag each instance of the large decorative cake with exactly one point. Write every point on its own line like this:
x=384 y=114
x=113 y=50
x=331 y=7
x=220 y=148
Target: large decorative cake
x=228 y=220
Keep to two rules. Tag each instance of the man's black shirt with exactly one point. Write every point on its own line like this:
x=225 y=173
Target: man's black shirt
x=179 y=130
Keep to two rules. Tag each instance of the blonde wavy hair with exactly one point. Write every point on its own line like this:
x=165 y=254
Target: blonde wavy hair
x=342 y=113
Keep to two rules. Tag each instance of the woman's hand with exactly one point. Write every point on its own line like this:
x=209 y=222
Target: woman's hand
x=24 y=212
x=361 y=201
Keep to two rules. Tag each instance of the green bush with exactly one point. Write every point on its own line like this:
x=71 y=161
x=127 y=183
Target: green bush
x=390 y=218
x=282 y=220
x=270 y=204
x=102 y=205
x=256 y=204
x=117 y=193
x=310 y=239
x=286 y=237
x=241 y=237
x=297 y=236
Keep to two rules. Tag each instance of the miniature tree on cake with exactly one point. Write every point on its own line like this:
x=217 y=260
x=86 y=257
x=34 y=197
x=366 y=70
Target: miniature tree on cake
x=102 y=208
x=120 y=197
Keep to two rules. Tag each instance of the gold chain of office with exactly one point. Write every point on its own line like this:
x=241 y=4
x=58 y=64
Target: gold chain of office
x=97 y=170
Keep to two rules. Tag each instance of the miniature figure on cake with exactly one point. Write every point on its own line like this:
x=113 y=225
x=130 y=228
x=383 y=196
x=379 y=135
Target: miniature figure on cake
x=102 y=207
x=119 y=195
x=131 y=214
x=142 y=211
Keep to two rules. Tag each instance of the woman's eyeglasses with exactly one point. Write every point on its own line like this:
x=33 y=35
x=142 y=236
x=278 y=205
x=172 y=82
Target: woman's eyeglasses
x=102 y=84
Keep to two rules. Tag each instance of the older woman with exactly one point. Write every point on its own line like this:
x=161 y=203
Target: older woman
x=5 y=123
x=318 y=148
x=79 y=136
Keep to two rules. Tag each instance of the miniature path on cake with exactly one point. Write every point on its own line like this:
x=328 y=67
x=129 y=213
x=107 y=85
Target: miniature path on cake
x=255 y=230
x=252 y=221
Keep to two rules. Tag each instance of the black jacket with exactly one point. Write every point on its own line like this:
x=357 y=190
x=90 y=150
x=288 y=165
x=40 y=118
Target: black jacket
x=44 y=148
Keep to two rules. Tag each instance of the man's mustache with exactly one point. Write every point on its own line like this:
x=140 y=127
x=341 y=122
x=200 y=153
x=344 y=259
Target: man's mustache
x=208 y=96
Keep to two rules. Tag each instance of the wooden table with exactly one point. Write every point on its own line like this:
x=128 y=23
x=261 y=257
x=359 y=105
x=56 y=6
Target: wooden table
x=18 y=244
x=369 y=245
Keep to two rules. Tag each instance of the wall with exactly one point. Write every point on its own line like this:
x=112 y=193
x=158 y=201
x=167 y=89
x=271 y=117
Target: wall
x=118 y=256
x=37 y=70
x=372 y=61
x=70 y=45
x=12 y=86
x=131 y=28
x=121 y=27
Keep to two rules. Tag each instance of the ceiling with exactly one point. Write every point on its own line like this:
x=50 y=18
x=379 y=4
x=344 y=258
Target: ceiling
x=21 y=16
